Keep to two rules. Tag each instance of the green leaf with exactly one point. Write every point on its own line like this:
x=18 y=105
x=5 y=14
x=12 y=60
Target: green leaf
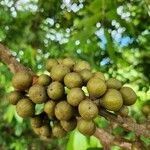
x=9 y=114
x=145 y=140
x=130 y=136
x=94 y=142
x=101 y=122
x=116 y=148
x=39 y=108
x=118 y=131
x=77 y=141
x=18 y=129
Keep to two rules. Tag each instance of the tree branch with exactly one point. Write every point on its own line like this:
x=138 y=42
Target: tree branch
x=127 y=123
x=14 y=66
x=104 y=137
x=108 y=140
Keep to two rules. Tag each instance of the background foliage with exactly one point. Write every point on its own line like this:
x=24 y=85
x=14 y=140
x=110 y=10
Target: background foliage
x=113 y=35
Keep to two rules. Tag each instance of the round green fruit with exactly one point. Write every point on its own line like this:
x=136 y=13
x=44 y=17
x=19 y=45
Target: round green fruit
x=44 y=80
x=45 y=130
x=123 y=111
x=88 y=109
x=69 y=62
x=14 y=97
x=86 y=75
x=129 y=96
x=75 y=96
x=72 y=80
x=22 y=80
x=112 y=100
x=36 y=121
x=99 y=75
x=146 y=109
x=58 y=72
x=25 y=108
x=63 y=111
x=113 y=83
x=49 y=108
x=68 y=125
x=50 y=63
x=37 y=94
x=86 y=127
x=96 y=87
x=81 y=65
x=58 y=131
x=55 y=90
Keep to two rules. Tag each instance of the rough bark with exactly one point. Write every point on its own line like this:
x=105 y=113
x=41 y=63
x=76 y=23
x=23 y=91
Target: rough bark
x=14 y=66
x=127 y=123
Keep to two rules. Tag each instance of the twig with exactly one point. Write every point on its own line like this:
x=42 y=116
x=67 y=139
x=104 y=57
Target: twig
x=108 y=140
x=127 y=123
x=104 y=137
x=14 y=66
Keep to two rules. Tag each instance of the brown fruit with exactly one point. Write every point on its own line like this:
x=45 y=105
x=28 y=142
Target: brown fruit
x=25 y=108
x=123 y=111
x=86 y=127
x=68 y=125
x=72 y=80
x=36 y=121
x=88 y=109
x=81 y=65
x=99 y=75
x=75 y=96
x=49 y=108
x=22 y=80
x=44 y=80
x=86 y=75
x=113 y=83
x=58 y=72
x=45 y=130
x=129 y=96
x=63 y=111
x=37 y=94
x=50 y=63
x=69 y=62
x=58 y=131
x=55 y=90
x=112 y=100
x=14 y=97
x=96 y=87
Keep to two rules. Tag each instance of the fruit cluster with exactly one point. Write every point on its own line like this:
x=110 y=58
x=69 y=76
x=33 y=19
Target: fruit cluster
x=72 y=95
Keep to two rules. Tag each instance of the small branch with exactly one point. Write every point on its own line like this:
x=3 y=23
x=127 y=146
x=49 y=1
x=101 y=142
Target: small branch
x=127 y=123
x=7 y=58
x=104 y=137
x=108 y=140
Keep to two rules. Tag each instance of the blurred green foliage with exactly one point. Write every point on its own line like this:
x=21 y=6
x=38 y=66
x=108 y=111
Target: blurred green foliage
x=113 y=35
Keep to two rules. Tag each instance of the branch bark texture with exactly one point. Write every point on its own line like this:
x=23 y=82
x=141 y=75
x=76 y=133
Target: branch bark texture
x=14 y=66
